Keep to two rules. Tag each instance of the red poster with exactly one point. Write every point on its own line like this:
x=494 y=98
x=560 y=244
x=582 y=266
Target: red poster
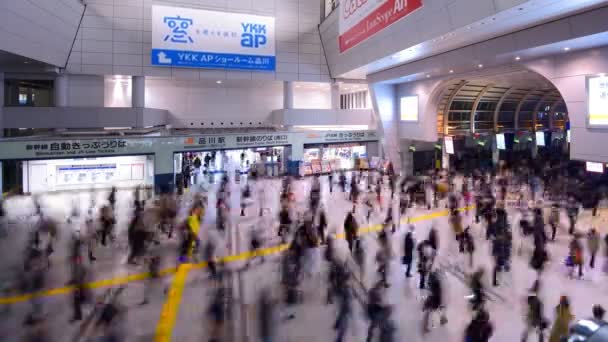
x=378 y=18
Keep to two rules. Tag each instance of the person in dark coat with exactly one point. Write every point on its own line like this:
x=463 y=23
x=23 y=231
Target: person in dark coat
x=501 y=251
x=433 y=238
x=480 y=329
x=343 y=294
x=350 y=229
x=478 y=298
x=408 y=251
x=434 y=301
x=467 y=244
x=322 y=225
x=425 y=260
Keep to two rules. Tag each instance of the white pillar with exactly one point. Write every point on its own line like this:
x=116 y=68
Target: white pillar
x=495 y=155
x=287 y=95
x=138 y=91
x=445 y=159
x=335 y=95
x=61 y=91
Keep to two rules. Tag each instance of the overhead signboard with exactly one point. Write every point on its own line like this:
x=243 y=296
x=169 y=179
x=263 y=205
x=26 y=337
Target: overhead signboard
x=76 y=148
x=23 y=149
x=340 y=136
x=361 y=19
x=194 y=38
x=449 y=145
x=500 y=141
x=409 y=108
x=594 y=167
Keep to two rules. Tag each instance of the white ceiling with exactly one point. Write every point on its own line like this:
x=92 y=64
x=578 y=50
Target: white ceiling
x=529 y=14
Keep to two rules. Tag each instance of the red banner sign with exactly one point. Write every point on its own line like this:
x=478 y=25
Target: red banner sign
x=373 y=18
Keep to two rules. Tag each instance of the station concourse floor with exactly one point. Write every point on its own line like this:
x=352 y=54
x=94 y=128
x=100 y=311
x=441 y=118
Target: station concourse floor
x=314 y=319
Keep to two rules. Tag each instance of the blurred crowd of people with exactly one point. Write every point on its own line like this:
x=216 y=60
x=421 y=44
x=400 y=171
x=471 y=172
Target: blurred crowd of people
x=481 y=208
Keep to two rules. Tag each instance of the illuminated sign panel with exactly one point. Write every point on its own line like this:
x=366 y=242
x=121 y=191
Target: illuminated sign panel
x=409 y=108
x=597 y=98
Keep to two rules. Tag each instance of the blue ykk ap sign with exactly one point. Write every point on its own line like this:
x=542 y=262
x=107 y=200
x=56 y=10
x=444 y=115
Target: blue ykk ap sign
x=254 y=35
x=179 y=29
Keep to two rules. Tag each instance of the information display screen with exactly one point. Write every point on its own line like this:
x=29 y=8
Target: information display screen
x=594 y=167
x=449 y=145
x=540 y=138
x=500 y=142
x=597 y=98
x=409 y=108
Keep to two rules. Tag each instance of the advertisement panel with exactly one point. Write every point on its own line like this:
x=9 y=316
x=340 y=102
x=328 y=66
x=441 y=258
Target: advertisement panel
x=500 y=141
x=597 y=97
x=449 y=145
x=594 y=167
x=361 y=19
x=540 y=138
x=186 y=37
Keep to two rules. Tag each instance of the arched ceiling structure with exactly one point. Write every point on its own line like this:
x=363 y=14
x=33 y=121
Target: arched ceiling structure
x=521 y=100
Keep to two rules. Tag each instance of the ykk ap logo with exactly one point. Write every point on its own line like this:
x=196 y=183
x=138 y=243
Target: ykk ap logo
x=179 y=29
x=254 y=35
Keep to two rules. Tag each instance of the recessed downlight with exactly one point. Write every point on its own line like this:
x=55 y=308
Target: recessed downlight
x=480 y=66
x=517 y=58
x=451 y=71
x=566 y=49
x=218 y=81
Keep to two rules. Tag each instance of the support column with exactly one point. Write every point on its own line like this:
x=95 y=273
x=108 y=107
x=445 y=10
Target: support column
x=1 y=129
x=1 y=111
x=288 y=95
x=61 y=91
x=495 y=155
x=138 y=91
x=335 y=95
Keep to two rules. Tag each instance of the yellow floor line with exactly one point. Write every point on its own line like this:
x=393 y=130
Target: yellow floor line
x=168 y=315
x=228 y=259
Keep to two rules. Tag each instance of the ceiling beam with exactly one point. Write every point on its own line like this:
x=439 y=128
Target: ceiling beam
x=482 y=92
